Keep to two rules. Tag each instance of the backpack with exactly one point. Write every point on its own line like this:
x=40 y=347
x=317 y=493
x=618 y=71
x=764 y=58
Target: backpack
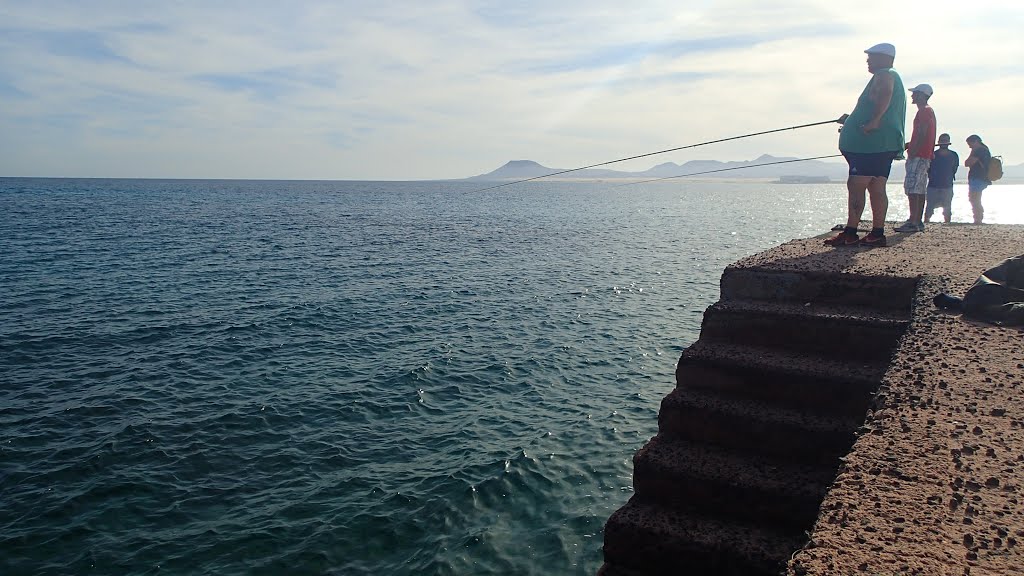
x=995 y=168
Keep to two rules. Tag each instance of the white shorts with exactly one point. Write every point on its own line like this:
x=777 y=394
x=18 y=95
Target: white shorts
x=916 y=181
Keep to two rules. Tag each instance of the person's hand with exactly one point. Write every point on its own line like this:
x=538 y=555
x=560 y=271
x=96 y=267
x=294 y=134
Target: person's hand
x=842 y=119
x=870 y=126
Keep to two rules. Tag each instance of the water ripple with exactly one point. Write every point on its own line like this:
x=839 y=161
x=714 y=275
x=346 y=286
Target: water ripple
x=343 y=378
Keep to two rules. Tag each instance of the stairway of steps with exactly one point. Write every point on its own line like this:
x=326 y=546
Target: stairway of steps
x=766 y=402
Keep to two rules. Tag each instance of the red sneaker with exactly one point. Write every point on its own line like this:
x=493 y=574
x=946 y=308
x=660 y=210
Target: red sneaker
x=842 y=239
x=873 y=240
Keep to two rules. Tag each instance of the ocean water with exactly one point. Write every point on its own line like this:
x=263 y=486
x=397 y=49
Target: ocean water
x=251 y=377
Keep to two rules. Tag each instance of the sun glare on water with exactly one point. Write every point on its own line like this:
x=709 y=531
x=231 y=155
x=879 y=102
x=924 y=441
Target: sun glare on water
x=1003 y=203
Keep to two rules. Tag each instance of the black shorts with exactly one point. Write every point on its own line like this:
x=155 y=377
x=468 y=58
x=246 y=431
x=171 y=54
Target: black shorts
x=870 y=163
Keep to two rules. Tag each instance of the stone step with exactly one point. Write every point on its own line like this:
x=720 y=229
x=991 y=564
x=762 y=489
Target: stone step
x=652 y=539
x=741 y=282
x=825 y=330
x=749 y=426
x=748 y=487
x=783 y=377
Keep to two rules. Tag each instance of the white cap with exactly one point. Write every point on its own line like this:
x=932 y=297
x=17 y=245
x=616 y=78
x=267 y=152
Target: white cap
x=923 y=89
x=883 y=48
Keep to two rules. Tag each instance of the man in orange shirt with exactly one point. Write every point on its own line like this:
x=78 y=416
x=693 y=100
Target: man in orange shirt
x=920 y=151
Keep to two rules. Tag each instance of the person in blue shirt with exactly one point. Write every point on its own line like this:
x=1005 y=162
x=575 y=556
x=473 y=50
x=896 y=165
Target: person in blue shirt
x=941 y=174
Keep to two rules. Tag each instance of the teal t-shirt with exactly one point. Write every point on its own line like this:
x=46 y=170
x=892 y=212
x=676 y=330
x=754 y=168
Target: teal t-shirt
x=890 y=134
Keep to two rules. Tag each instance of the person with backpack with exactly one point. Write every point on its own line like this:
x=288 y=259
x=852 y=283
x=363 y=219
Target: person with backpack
x=977 y=176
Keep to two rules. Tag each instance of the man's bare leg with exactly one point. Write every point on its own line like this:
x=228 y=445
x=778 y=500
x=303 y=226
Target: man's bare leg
x=916 y=207
x=879 y=201
x=979 y=210
x=856 y=188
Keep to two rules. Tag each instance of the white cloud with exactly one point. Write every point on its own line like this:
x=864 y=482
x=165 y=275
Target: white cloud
x=406 y=90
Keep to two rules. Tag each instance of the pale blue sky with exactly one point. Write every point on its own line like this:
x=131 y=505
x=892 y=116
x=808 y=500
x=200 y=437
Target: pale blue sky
x=447 y=89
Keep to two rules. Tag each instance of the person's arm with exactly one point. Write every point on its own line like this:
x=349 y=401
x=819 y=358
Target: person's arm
x=970 y=160
x=982 y=160
x=881 y=94
x=911 y=145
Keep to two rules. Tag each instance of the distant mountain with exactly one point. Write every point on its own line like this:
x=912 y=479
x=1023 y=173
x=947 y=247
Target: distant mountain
x=514 y=169
x=522 y=169
x=779 y=166
x=1016 y=172
x=765 y=166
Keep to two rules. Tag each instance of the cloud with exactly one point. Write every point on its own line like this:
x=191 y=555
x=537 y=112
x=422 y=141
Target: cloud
x=257 y=85
x=74 y=44
x=9 y=91
x=400 y=89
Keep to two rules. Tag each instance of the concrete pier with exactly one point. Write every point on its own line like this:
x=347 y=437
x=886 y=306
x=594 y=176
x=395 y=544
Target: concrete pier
x=831 y=420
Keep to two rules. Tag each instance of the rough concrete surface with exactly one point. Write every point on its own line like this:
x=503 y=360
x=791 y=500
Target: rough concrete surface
x=934 y=480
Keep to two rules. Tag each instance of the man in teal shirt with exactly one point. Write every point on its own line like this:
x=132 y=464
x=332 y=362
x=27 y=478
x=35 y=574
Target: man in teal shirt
x=871 y=138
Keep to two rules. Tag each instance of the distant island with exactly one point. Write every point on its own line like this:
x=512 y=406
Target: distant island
x=784 y=171
x=814 y=170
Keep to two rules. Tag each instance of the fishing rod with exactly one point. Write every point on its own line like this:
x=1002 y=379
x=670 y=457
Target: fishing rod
x=661 y=152
x=731 y=168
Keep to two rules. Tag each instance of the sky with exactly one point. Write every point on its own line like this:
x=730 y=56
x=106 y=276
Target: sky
x=412 y=90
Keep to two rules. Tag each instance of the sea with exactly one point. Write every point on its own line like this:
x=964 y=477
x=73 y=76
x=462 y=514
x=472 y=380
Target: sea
x=212 y=377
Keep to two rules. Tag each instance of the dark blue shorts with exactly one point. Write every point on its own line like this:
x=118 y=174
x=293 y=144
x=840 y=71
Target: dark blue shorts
x=976 y=185
x=870 y=163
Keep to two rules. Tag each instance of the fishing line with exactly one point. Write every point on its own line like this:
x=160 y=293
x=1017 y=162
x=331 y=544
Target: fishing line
x=727 y=169
x=660 y=152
